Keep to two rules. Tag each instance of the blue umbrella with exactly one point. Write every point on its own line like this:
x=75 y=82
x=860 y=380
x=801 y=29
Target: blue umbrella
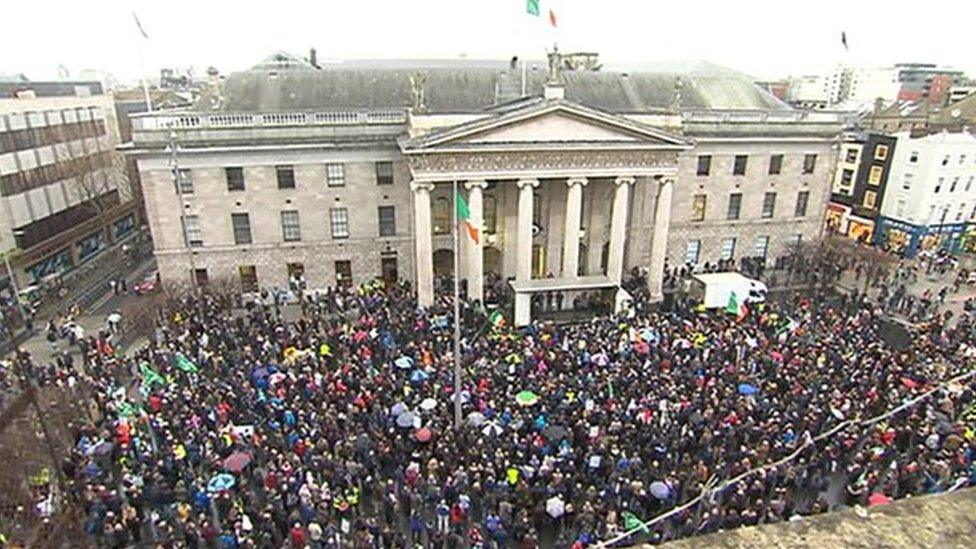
x=747 y=390
x=221 y=482
x=398 y=409
x=418 y=376
x=660 y=490
x=405 y=420
x=403 y=363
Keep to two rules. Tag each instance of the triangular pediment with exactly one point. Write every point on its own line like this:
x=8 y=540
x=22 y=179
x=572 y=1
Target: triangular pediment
x=548 y=123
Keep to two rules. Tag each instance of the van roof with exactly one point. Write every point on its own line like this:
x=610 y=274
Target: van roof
x=711 y=278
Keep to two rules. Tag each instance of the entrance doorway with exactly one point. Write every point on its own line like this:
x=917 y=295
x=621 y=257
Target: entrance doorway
x=343 y=271
x=443 y=263
x=296 y=277
x=492 y=260
x=388 y=267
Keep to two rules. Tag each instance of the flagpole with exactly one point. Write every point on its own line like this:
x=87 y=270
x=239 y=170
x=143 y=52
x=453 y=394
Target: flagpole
x=457 y=315
x=142 y=63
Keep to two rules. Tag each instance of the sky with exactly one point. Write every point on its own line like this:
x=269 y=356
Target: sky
x=763 y=38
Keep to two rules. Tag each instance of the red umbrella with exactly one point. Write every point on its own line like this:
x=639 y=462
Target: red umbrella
x=878 y=498
x=237 y=461
x=423 y=434
x=909 y=382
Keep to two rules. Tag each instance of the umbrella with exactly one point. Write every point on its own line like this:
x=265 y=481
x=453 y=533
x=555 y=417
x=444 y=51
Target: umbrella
x=747 y=390
x=403 y=363
x=878 y=498
x=526 y=398
x=555 y=507
x=428 y=404
x=418 y=376
x=398 y=409
x=259 y=373
x=660 y=490
x=465 y=397
x=475 y=419
x=648 y=336
x=237 y=461
x=221 y=482
x=405 y=420
x=423 y=435
x=491 y=429
x=275 y=378
x=909 y=382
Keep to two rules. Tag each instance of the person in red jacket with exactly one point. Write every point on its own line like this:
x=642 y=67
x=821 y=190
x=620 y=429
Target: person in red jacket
x=298 y=537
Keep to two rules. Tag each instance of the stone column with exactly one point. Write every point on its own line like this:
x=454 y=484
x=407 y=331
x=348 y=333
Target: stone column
x=618 y=228
x=659 y=239
x=523 y=248
x=475 y=259
x=424 y=249
x=571 y=231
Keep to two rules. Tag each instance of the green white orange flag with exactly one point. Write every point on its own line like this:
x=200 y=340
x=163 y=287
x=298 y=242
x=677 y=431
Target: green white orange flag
x=464 y=216
x=532 y=7
x=736 y=307
x=496 y=319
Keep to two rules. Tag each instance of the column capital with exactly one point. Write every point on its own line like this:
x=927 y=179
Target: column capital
x=418 y=186
x=475 y=183
x=666 y=179
x=624 y=180
x=522 y=183
x=581 y=181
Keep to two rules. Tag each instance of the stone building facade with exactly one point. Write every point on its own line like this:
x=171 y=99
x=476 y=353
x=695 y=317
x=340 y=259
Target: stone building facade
x=587 y=177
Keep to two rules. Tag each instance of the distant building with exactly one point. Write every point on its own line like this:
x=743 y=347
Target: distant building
x=926 y=81
x=930 y=200
x=63 y=197
x=845 y=85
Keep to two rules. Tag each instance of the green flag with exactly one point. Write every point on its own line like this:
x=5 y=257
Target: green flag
x=736 y=307
x=631 y=522
x=532 y=7
x=496 y=319
x=185 y=364
x=150 y=376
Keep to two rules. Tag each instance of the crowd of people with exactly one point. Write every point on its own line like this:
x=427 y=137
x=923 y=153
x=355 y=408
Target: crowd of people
x=250 y=428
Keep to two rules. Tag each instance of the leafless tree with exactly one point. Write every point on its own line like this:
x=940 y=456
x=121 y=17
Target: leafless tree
x=833 y=255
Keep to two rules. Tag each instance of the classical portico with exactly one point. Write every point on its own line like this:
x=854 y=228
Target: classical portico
x=559 y=149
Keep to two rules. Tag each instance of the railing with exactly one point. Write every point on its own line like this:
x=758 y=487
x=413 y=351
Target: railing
x=762 y=116
x=153 y=121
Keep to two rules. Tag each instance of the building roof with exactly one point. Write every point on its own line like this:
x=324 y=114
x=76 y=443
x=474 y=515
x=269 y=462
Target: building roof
x=472 y=89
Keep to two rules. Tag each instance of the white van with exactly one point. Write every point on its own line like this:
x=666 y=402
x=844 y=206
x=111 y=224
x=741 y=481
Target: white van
x=714 y=289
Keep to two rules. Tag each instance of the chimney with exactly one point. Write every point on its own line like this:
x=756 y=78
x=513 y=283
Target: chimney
x=513 y=64
x=878 y=105
x=313 y=58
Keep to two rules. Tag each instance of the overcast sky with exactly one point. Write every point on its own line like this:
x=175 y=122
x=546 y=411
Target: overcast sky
x=765 y=38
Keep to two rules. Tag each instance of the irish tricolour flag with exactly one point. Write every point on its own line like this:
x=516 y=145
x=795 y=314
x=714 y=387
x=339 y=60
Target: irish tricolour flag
x=736 y=307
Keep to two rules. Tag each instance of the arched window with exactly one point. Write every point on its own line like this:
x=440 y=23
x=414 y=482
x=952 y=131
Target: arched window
x=490 y=214
x=442 y=216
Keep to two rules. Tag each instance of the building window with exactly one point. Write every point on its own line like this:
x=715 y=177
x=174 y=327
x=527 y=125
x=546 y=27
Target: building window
x=969 y=183
x=870 y=199
x=851 y=156
x=343 y=270
x=235 y=178
x=960 y=212
x=387 y=217
x=692 y=249
x=335 y=174
x=442 y=216
x=698 y=207
x=728 y=248
x=906 y=183
x=762 y=246
x=184 y=179
x=249 y=278
x=938 y=184
x=809 y=163
x=339 y=220
x=291 y=230
x=973 y=214
x=945 y=214
x=874 y=176
x=846 y=178
x=900 y=209
x=286 y=177
x=735 y=206
x=769 y=205
x=201 y=277
x=704 y=164
x=384 y=173
x=881 y=152
x=793 y=241
x=962 y=159
x=952 y=187
x=490 y=214
x=192 y=232
x=775 y=164
x=242 y=228
x=536 y=209
x=945 y=160
x=802 y=199
x=913 y=158
x=739 y=167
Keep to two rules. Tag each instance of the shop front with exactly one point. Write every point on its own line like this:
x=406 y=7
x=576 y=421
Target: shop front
x=907 y=240
x=967 y=244
x=860 y=229
x=836 y=219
